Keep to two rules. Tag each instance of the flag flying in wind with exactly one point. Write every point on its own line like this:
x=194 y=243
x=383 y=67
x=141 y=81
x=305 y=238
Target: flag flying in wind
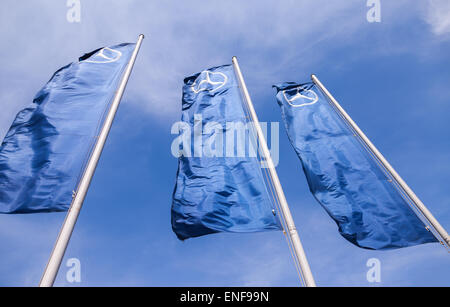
x=355 y=190
x=217 y=190
x=43 y=154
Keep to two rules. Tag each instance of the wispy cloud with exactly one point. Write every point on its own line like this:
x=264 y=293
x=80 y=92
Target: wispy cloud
x=181 y=39
x=438 y=16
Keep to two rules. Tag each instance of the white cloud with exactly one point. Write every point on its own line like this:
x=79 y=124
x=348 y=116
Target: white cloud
x=181 y=39
x=438 y=16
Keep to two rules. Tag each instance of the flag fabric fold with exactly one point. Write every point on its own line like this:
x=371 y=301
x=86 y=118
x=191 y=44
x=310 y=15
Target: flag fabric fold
x=217 y=193
x=44 y=151
x=351 y=185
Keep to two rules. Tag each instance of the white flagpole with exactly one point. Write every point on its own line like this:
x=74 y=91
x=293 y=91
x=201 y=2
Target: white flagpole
x=49 y=276
x=292 y=230
x=418 y=203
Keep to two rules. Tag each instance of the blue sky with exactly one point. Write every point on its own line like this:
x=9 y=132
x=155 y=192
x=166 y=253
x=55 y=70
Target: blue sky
x=391 y=77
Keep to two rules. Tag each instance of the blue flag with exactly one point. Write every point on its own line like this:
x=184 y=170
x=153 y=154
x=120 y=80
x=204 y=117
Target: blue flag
x=356 y=191
x=217 y=189
x=44 y=152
